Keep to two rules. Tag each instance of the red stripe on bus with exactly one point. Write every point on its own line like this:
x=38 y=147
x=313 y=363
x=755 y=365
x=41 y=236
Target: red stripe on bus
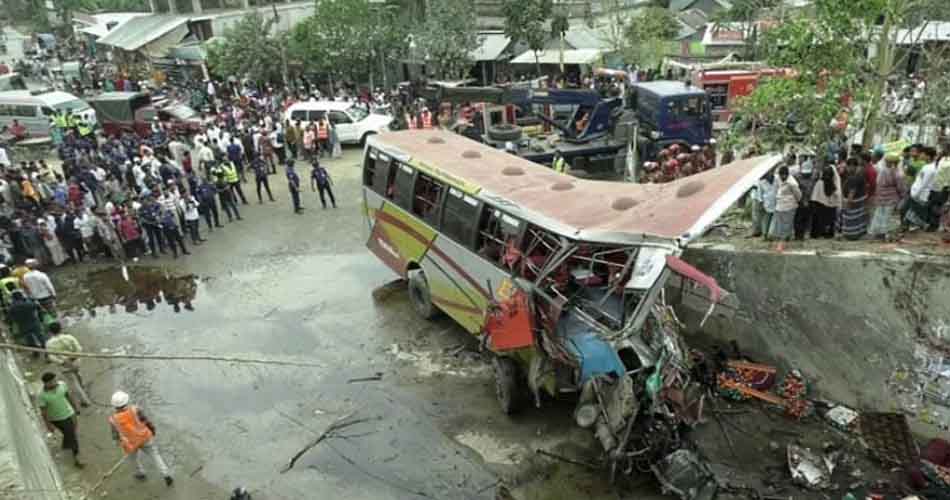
x=390 y=219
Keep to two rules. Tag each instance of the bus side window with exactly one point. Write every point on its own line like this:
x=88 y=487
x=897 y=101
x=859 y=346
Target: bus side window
x=403 y=186
x=427 y=197
x=460 y=217
x=498 y=237
x=383 y=176
x=369 y=169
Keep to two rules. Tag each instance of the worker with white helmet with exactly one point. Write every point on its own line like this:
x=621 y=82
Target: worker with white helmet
x=135 y=433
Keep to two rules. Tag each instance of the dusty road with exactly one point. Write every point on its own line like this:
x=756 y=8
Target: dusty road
x=303 y=287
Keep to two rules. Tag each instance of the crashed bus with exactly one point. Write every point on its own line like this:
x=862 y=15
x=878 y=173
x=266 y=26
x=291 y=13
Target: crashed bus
x=561 y=279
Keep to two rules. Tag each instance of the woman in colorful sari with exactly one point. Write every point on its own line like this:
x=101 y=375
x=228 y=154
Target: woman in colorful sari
x=854 y=217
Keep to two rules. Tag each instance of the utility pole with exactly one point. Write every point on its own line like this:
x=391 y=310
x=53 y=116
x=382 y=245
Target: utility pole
x=283 y=49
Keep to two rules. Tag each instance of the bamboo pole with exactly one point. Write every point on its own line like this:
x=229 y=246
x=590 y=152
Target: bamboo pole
x=161 y=357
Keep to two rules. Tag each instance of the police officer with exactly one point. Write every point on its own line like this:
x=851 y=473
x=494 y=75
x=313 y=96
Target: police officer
x=293 y=184
x=207 y=204
x=233 y=179
x=559 y=164
x=173 y=234
x=151 y=214
x=260 y=177
x=320 y=179
x=225 y=193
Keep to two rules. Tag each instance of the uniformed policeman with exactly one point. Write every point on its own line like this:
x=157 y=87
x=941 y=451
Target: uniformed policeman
x=233 y=179
x=560 y=164
x=225 y=194
x=151 y=219
x=293 y=184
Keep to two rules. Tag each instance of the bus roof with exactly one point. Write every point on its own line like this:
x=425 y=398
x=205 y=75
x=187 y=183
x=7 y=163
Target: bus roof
x=664 y=88
x=581 y=209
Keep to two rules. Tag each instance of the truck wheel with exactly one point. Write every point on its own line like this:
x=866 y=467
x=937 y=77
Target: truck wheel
x=508 y=385
x=504 y=132
x=419 y=295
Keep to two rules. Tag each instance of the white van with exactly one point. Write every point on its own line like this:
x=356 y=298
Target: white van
x=34 y=109
x=353 y=123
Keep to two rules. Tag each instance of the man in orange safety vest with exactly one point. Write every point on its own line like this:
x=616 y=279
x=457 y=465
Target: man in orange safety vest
x=135 y=434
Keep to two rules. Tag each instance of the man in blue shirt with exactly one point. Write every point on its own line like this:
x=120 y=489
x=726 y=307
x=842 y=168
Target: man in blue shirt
x=293 y=184
x=208 y=204
x=172 y=233
x=236 y=155
x=260 y=177
x=150 y=214
x=320 y=179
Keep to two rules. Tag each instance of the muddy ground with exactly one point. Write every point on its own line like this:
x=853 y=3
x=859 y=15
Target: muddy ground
x=303 y=287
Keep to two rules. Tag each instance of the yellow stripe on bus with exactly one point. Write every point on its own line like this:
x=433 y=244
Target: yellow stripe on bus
x=448 y=178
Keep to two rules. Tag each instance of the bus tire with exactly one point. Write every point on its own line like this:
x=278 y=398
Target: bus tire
x=419 y=295
x=508 y=387
x=505 y=132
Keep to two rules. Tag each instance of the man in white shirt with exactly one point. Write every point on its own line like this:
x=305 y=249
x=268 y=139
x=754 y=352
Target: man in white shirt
x=919 y=213
x=205 y=157
x=177 y=150
x=4 y=158
x=38 y=285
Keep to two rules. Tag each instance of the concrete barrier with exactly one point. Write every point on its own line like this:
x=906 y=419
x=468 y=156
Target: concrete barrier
x=27 y=470
x=848 y=321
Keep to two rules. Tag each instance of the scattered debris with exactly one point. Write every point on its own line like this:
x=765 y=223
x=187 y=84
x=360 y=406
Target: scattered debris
x=684 y=474
x=372 y=378
x=888 y=438
x=571 y=461
x=809 y=469
x=338 y=425
x=842 y=417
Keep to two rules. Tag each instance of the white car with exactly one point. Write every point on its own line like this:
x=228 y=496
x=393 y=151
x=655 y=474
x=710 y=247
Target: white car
x=353 y=123
x=35 y=109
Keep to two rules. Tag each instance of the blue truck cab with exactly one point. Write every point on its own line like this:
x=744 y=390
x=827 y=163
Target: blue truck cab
x=670 y=112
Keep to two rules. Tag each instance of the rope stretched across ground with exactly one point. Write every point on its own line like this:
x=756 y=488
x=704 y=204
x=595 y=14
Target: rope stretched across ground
x=161 y=357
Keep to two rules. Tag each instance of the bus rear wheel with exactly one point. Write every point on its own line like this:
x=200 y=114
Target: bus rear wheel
x=508 y=387
x=419 y=295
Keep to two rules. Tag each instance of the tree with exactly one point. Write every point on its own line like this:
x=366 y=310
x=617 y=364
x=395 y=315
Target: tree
x=647 y=33
x=249 y=48
x=526 y=22
x=448 y=36
x=844 y=50
x=747 y=13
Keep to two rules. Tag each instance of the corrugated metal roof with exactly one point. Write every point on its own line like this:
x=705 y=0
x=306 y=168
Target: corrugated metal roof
x=933 y=31
x=101 y=26
x=493 y=44
x=136 y=32
x=576 y=56
x=582 y=37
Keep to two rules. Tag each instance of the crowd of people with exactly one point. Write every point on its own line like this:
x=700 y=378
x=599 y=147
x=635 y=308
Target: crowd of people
x=126 y=197
x=854 y=193
x=676 y=161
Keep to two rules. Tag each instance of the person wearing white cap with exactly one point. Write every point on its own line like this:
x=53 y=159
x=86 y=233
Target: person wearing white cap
x=38 y=285
x=135 y=433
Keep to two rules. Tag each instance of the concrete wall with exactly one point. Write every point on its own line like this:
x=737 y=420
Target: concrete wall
x=847 y=321
x=27 y=470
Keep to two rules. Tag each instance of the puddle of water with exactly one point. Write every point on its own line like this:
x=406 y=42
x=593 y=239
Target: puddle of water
x=131 y=289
